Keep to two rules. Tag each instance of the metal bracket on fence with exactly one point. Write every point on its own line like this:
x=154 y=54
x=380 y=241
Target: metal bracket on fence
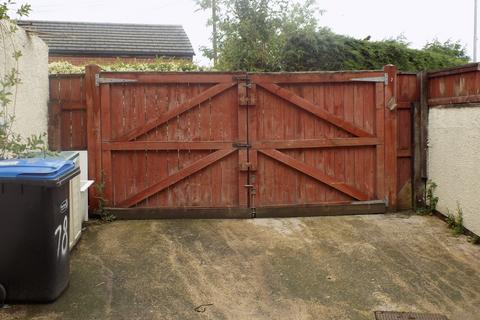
x=383 y=79
x=99 y=81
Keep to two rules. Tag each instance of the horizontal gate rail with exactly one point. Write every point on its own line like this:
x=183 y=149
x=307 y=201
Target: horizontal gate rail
x=172 y=78
x=316 y=143
x=162 y=145
x=315 y=173
x=68 y=105
x=315 y=77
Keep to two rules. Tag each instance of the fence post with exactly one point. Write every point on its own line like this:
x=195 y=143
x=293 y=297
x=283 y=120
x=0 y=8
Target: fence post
x=92 y=97
x=420 y=131
x=391 y=136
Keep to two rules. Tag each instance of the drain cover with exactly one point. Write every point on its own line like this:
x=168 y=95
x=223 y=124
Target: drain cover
x=392 y=315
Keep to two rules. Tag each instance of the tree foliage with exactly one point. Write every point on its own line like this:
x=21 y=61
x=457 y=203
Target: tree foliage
x=278 y=35
x=252 y=33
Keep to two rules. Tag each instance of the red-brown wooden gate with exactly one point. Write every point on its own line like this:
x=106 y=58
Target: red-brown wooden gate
x=240 y=145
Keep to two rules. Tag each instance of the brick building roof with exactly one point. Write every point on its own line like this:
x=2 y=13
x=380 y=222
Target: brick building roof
x=111 y=39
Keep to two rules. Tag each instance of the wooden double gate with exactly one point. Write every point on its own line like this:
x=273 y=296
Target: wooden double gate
x=241 y=145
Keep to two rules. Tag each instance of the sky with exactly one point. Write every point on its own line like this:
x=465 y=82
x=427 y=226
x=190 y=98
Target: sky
x=419 y=21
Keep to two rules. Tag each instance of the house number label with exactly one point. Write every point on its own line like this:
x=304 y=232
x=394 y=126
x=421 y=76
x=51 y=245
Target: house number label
x=61 y=234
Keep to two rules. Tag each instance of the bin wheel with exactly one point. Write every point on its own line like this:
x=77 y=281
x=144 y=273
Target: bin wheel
x=3 y=295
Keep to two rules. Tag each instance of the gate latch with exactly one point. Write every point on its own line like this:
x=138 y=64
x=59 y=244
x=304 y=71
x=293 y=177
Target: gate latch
x=241 y=145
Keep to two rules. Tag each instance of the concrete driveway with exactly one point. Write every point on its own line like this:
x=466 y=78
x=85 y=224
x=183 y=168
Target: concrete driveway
x=299 y=268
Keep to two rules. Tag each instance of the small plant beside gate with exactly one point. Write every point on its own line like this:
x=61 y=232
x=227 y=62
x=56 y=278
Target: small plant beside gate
x=431 y=200
x=455 y=221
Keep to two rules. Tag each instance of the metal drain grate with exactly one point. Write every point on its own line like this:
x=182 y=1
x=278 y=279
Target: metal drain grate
x=392 y=315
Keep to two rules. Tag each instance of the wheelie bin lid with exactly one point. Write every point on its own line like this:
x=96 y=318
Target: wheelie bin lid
x=48 y=172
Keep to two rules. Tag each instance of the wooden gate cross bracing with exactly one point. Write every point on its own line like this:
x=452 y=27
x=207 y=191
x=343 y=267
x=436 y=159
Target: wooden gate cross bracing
x=255 y=144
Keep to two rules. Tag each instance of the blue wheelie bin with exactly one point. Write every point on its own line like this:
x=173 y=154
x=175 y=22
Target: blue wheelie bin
x=34 y=222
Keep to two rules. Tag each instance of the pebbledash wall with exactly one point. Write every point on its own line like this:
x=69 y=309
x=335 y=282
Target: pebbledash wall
x=31 y=109
x=454 y=161
x=454 y=142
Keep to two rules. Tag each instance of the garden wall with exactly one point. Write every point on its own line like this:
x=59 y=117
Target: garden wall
x=454 y=141
x=31 y=109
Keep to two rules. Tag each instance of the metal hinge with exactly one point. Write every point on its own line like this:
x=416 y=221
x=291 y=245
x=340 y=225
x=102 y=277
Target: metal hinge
x=241 y=145
x=99 y=81
x=383 y=79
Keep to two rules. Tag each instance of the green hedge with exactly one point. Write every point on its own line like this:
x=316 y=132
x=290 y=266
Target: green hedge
x=159 y=65
x=324 y=50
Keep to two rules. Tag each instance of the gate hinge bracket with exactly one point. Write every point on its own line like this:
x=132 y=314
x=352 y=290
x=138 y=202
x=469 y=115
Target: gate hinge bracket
x=99 y=80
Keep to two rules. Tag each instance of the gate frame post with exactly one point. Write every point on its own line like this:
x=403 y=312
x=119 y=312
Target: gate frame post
x=92 y=98
x=391 y=137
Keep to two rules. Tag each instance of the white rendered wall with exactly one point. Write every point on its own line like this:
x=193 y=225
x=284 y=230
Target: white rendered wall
x=31 y=109
x=454 y=161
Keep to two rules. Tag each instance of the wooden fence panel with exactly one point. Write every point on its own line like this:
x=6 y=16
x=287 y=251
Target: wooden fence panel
x=67 y=113
x=454 y=85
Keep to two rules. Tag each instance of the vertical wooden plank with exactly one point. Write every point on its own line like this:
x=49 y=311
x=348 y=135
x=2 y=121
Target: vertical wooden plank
x=348 y=100
x=92 y=96
x=369 y=121
x=309 y=188
x=116 y=105
x=321 y=132
x=242 y=138
x=329 y=97
x=140 y=155
x=107 y=176
x=54 y=116
x=268 y=170
x=358 y=120
x=290 y=188
x=339 y=154
x=205 y=134
x=76 y=115
x=54 y=126
x=65 y=95
x=380 y=133
x=252 y=125
x=391 y=137
x=83 y=139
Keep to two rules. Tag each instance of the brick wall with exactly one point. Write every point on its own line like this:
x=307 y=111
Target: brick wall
x=81 y=61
